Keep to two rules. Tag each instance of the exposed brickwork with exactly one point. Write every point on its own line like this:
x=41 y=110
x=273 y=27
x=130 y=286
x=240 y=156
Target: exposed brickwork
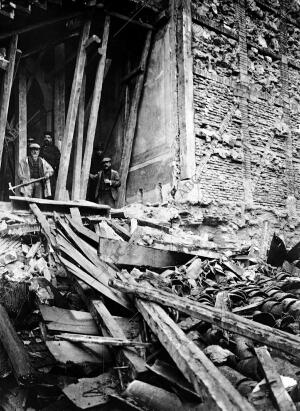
x=270 y=90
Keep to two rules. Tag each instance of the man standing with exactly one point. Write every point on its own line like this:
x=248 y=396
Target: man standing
x=51 y=154
x=96 y=160
x=108 y=181
x=31 y=168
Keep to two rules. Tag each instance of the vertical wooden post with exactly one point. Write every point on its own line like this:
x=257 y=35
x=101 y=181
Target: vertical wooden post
x=132 y=121
x=22 y=141
x=185 y=90
x=6 y=90
x=78 y=145
x=86 y=164
x=59 y=96
x=72 y=113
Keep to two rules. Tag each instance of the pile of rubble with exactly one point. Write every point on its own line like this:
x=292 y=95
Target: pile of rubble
x=132 y=312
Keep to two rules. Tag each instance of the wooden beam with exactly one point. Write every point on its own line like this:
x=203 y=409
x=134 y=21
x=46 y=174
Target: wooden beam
x=44 y=223
x=185 y=90
x=280 y=396
x=123 y=253
x=95 y=339
x=78 y=148
x=15 y=349
x=22 y=141
x=132 y=121
x=129 y=20
x=264 y=334
x=208 y=382
x=86 y=163
x=6 y=90
x=72 y=113
x=108 y=324
x=39 y=25
x=59 y=96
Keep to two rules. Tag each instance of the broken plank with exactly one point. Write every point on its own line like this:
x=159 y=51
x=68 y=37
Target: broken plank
x=18 y=356
x=66 y=352
x=75 y=213
x=53 y=204
x=72 y=113
x=132 y=121
x=6 y=90
x=86 y=162
x=123 y=253
x=206 y=379
x=264 y=334
x=33 y=250
x=86 y=232
x=97 y=277
x=281 y=397
x=121 y=231
x=107 y=323
x=111 y=341
x=60 y=319
x=43 y=222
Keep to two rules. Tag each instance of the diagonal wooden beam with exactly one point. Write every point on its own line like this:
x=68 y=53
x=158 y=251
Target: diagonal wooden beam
x=78 y=145
x=86 y=163
x=132 y=121
x=6 y=90
x=72 y=113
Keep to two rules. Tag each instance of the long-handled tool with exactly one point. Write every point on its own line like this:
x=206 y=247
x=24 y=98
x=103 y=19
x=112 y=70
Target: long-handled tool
x=12 y=188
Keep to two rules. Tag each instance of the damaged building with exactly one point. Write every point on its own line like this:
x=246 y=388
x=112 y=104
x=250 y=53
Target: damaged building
x=183 y=293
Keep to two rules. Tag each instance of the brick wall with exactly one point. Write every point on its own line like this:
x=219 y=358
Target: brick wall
x=268 y=95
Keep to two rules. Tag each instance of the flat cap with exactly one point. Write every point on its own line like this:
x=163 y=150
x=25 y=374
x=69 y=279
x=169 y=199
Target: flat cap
x=34 y=146
x=106 y=159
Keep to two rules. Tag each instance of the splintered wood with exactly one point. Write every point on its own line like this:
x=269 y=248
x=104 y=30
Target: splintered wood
x=191 y=327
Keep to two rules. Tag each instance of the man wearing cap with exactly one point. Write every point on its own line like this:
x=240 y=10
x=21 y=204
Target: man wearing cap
x=51 y=154
x=95 y=168
x=32 y=168
x=108 y=181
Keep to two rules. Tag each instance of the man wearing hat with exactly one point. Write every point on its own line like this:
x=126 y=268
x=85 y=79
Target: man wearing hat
x=108 y=181
x=32 y=168
x=51 y=154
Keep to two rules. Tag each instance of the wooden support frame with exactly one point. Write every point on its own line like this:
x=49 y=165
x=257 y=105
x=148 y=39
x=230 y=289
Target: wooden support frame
x=185 y=98
x=6 y=90
x=72 y=113
x=86 y=163
x=132 y=121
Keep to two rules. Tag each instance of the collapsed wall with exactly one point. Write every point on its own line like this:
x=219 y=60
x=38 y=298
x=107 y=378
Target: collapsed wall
x=246 y=72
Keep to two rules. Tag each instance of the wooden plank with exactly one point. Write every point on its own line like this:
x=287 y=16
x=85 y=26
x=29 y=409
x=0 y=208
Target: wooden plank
x=43 y=222
x=66 y=352
x=132 y=122
x=86 y=232
x=106 y=321
x=60 y=319
x=72 y=113
x=96 y=339
x=280 y=396
x=78 y=147
x=120 y=230
x=22 y=141
x=123 y=253
x=6 y=90
x=185 y=90
x=43 y=24
x=102 y=273
x=228 y=321
x=18 y=356
x=89 y=144
x=59 y=96
x=55 y=204
x=75 y=213
x=206 y=379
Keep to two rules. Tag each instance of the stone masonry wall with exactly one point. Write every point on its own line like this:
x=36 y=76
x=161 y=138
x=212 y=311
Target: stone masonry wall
x=246 y=57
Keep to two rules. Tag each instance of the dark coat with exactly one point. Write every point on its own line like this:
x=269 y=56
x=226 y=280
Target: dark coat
x=115 y=183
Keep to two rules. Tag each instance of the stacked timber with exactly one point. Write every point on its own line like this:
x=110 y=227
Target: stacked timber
x=137 y=314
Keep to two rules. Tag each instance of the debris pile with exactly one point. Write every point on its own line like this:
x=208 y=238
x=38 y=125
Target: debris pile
x=129 y=311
